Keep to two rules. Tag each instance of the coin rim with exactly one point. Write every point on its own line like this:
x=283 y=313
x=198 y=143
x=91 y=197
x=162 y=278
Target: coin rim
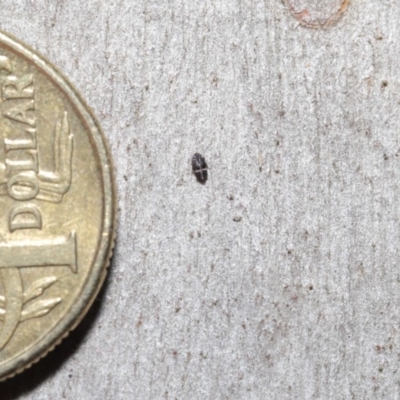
x=108 y=233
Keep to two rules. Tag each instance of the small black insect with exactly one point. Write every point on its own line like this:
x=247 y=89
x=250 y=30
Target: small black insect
x=199 y=167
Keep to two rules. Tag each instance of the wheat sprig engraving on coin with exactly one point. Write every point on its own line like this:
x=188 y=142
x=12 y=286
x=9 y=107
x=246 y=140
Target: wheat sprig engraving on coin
x=57 y=200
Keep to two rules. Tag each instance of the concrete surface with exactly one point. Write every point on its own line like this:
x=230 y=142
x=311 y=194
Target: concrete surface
x=277 y=279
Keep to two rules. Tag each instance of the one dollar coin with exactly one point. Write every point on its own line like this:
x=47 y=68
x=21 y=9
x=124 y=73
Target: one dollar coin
x=57 y=205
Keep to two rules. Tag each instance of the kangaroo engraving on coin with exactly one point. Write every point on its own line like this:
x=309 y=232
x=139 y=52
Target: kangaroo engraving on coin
x=57 y=205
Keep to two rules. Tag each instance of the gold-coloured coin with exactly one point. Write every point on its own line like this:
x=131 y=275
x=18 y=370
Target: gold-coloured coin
x=57 y=207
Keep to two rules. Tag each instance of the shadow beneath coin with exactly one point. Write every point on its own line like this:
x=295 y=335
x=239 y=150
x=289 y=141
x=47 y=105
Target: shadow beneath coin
x=47 y=367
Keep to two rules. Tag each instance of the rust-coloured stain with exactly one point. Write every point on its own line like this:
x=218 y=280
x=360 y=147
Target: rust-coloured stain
x=311 y=19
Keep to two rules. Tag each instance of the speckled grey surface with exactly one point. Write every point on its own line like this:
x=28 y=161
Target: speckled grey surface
x=277 y=279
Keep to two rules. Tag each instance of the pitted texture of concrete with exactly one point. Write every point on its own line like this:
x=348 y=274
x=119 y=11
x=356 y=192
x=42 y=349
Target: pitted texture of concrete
x=280 y=277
